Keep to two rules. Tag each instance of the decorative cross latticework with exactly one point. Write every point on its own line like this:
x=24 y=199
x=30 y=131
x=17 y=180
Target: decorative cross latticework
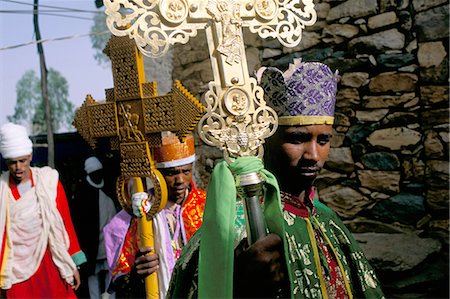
x=237 y=118
x=133 y=115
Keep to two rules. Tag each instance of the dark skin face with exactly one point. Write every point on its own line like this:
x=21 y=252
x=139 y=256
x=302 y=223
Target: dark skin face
x=96 y=176
x=178 y=180
x=296 y=154
x=19 y=168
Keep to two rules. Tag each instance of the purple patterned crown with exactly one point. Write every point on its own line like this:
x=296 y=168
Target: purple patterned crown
x=303 y=95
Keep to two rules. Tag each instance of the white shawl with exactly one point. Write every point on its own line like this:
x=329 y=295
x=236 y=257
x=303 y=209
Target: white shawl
x=33 y=223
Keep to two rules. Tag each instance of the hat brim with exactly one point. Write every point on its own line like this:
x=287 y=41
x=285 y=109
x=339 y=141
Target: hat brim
x=302 y=120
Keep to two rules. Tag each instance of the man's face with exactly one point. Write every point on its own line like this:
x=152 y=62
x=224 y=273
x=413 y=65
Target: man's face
x=178 y=180
x=296 y=154
x=19 y=168
x=96 y=176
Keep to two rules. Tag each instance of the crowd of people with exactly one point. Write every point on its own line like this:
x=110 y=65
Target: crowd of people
x=87 y=247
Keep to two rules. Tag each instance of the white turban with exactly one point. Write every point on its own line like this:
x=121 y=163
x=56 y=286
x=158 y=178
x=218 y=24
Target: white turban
x=92 y=164
x=14 y=141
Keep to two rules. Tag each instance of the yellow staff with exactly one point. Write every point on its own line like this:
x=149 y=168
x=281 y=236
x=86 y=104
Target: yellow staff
x=132 y=118
x=145 y=230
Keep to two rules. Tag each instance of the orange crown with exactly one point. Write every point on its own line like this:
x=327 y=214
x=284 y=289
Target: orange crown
x=173 y=153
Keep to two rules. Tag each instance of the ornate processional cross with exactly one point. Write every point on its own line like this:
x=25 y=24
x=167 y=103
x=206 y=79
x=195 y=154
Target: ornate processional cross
x=133 y=115
x=237 y=118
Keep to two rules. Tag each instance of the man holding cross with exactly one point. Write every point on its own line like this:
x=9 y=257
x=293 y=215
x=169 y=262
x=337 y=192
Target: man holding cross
x=173 y=226
x=39 y=248
x=308 y=253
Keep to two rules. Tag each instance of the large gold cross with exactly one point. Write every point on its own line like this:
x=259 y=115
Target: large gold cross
x=133 y=117
x=133 y=114
x=237 y=118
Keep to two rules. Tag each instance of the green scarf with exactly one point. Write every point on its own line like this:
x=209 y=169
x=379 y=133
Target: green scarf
x=215 y=278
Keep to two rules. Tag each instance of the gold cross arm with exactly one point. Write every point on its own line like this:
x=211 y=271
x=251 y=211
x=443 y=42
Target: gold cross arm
x=133 y=114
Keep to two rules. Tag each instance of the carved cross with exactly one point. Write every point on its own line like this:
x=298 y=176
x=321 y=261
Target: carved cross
x=132 y=117
x=237 y=118
x=133 y=114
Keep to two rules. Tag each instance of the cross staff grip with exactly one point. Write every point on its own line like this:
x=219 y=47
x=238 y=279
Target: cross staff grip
x=145 y=230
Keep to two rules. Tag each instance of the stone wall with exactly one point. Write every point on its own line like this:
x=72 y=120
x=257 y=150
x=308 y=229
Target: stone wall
x=387 y=173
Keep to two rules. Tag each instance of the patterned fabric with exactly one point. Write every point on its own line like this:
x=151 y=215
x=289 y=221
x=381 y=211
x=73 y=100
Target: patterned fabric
x=304 y=90
x=192 y=213
x=330 y=274
x=129 y=249
x=324 y=259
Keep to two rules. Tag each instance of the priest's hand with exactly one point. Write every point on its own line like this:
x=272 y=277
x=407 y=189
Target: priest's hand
x=146 y=263
x=259 y=269
x=76 y=280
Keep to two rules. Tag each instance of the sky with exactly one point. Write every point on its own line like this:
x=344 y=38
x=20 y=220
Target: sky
x=73 y=58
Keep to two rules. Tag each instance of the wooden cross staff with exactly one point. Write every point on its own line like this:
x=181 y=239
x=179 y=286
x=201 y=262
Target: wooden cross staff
x=133 y=117
x=237 y=118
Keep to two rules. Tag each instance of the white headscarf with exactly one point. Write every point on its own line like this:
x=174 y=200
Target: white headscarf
x=92 y=164
x=14 y=141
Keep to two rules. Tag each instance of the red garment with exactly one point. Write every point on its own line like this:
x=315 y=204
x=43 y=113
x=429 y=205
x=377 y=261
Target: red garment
x=47 y=282
x=192 y=213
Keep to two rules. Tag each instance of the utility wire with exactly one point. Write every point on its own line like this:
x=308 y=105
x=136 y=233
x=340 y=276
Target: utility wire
x=55 y=7
x=49 y=13
x=53 y=39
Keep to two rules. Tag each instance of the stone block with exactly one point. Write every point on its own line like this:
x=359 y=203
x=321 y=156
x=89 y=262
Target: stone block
x=431 y=54
x=421 y=5
x=328 y=178
x=401 y=119
x=391 y=39
x=437 y=173
x=340 y=160
x=413 y=168
x=338 y=139
x=393 y=82
x=434 y=94
x=340 y=30
x=382 y=181
x=309 y=40
x=354 y=9
x=380 y=161
x=435 y=74
x=438 y=200
x=347 y=97
x=358 y=132
x=404 y=208
x=435 y=117
x=386 y=5
x=381 y=20
x=371 y=115
x=354 y=79
x=433 y=145
x=386 y=101
x=432 y=24
x=345 y=201
x=394 y=138
x=396 y=252
x=397 y=61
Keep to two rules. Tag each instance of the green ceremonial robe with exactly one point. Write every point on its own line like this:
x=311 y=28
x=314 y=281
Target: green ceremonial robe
x=307 y=279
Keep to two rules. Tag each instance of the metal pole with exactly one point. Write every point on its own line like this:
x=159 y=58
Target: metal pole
x=250 y=187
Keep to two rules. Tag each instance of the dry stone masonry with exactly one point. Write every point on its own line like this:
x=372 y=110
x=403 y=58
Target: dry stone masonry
x=387 y=175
